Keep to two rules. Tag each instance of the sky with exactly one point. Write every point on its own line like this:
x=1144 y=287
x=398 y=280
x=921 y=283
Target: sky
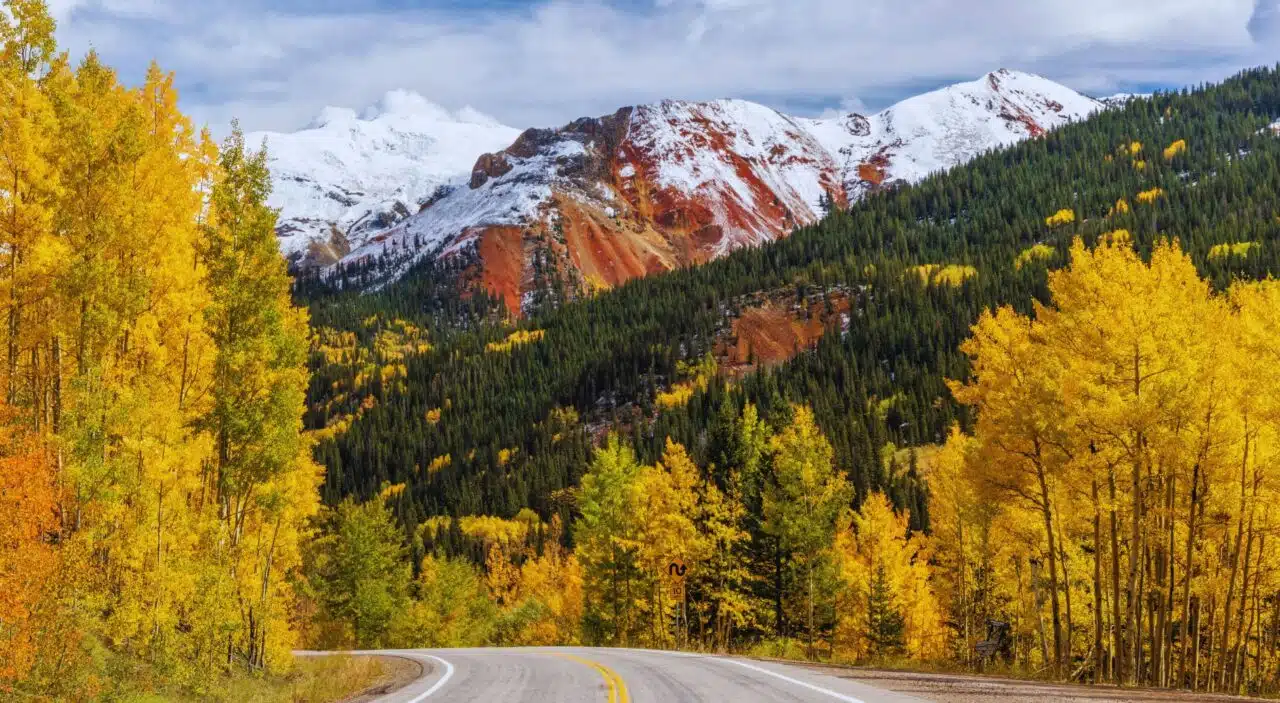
x=274 y=64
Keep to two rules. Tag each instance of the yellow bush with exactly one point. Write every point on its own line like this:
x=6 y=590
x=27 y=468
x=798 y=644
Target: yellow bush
x=518 y=338
x=1117 y=237
x=391 y=490
x=439 y=463
x=1121 y=208
x=925 y=272
x=433 y=416
x=1037 y=252
x=1134 y=148
x=1150 y=196
x=1174 y=149
x=677 y=397
x=952 y=274
x=1064 y=216
x=1238 y=249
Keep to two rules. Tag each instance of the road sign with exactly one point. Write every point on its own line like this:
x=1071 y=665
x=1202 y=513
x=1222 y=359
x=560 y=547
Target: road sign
x=676 y=570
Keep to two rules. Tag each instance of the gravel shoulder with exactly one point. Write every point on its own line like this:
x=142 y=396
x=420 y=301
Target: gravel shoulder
x=965 y=688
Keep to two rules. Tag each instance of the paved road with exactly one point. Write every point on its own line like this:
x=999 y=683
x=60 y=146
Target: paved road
x=584 y=675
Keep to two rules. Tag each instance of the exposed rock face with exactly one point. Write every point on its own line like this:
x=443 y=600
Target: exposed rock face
x=655 y=187
x=645 y=189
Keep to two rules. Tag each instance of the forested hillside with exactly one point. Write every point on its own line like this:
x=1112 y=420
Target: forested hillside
x=1198 y=166
x=1099 y=484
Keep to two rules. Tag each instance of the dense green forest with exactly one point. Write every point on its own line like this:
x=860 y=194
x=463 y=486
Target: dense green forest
x=881 y=381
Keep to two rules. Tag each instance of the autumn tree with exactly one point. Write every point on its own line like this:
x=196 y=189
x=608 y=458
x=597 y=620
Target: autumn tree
x=28 y=559
x=801 y=507
x=263 y=479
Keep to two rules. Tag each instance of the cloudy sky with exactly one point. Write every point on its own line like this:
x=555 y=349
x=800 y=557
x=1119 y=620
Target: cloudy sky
x=275 y=63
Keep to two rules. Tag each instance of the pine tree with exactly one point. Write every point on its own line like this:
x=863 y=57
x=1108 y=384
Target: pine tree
x=884 y=622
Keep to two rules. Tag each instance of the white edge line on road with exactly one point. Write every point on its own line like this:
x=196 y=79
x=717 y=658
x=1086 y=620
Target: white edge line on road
x=798 y=682
x=448 y=673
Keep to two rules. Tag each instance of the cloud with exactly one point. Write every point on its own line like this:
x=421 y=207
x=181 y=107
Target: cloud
x=276 y=63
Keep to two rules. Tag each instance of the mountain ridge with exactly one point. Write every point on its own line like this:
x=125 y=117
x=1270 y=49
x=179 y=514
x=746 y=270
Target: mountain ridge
x=655 y=187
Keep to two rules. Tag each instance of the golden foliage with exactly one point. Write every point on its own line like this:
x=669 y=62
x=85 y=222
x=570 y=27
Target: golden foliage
x=439 y=464
x=1236 y=249
x=698 y=375
x=1034 y=253
x=518 y=338
x=1174 y=149
x=953 y=275
x=1062 y=217
x=1138 y=385
x=1147 y=197
x=1121 y=208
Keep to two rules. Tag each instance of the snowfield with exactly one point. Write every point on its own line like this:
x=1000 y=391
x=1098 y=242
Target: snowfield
x=361 y=173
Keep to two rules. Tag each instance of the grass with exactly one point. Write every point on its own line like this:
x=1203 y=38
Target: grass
x=313 y=680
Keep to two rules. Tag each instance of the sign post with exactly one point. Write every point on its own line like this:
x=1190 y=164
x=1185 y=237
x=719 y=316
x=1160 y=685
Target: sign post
x=675 y=574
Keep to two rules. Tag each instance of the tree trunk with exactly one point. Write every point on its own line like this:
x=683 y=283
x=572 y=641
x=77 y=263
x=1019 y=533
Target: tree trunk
x=1224 y=645
x=1195 y=651
x=1135 y=566
x=1230 y=675
x=1188 y=562
x=1046 y=512
x=810 y=578
x=778 y=627
x=1117 y=644
x=1099 y=663
x=1166 y=632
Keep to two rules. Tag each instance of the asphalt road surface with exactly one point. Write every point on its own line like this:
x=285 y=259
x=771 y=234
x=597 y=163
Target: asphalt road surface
x=584 y=675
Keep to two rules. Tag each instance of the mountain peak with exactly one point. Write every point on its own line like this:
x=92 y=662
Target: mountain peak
x=405 y=103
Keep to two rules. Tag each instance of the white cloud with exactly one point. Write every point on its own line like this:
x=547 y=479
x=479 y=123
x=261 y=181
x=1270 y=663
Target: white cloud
x=275 y=64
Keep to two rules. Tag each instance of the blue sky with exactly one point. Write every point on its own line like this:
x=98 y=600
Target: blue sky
x=275 y=63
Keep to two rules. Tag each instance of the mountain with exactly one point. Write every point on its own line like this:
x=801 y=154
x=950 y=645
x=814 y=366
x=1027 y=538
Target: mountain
x=601 y=201
x=348 y=176
x=656 y=187
x=942 y=129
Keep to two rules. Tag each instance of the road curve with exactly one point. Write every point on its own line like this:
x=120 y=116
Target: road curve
x=587 y=675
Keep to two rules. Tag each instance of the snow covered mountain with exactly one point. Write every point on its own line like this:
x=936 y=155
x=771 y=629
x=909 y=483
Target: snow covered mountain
x=939 y=130
x=348 y=175
x=654 y=187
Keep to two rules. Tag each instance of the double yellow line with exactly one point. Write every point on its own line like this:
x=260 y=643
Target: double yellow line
x=613 y=682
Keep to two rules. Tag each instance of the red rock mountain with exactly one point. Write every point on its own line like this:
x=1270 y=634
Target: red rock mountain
x=650 y=188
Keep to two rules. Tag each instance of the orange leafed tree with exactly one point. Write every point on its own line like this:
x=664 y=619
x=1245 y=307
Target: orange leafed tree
x=27 y=559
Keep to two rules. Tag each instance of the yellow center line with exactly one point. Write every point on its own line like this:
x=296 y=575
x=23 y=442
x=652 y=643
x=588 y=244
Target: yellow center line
x=613 y=682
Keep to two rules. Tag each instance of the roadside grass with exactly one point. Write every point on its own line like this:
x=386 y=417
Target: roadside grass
x=312 y=680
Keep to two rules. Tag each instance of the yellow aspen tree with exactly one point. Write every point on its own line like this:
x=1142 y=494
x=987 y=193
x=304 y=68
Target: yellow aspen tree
x=1022 y=438
x=264 y=480
x=28 y=180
